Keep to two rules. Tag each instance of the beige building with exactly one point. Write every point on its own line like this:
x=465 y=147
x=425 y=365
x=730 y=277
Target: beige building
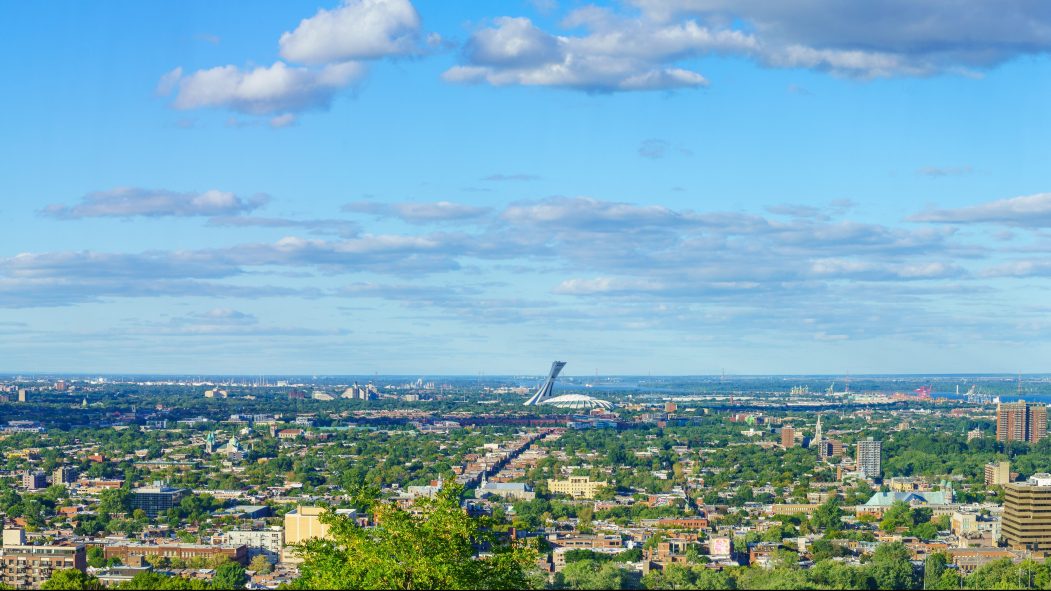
x=963 y=523
x=997 y=473
x=578 y=487
x=793 y=509
x=28 y=567
x=1026 y=521
x=304 y=523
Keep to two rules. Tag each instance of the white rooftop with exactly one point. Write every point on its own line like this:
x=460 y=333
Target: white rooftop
x=577 y=401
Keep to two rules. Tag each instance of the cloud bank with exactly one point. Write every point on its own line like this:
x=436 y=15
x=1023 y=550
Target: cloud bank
x=126 y=202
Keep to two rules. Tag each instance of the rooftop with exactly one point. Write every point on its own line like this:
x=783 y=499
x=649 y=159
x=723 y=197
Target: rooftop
x=577 y=401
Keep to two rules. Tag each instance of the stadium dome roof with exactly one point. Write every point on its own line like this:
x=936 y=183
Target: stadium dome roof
x=577 y=401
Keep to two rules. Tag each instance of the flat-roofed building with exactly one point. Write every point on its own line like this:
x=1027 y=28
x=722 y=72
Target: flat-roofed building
x=33 y=480
x=156 y=499
x=268 y=542
x=1021 y=421
x=28 y=567
x=963 y=523
x=968 y=560
x=869 y=457
x=997 y=473
x=578 y=487
x=1026 y=521
x=517 y=491
x=788 y=437
x=125 y=552
x=793 y=509
x=14 y=536
x=64 y=475
x=830 y=448
x=304 y=523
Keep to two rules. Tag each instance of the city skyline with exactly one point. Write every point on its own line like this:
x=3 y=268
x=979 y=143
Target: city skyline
x=677 y=188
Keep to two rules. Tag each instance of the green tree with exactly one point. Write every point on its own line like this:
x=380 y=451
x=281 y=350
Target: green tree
x=924 y=531
x=933 y=568
x=230 y=576
x=673 y=576
x=891 y=567
x=71 y=578
x=151 y=581
x=710 y=579
x=589 y=574
x=836 y=575
x=260 y=564
x=828 y=517
x=115 y=500
x=898 y=515
x=432 y=547
x=774 y=578
x=96 y=557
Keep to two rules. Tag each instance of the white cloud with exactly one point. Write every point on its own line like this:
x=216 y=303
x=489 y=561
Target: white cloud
x=284 y=120
x=1028 y=210
x=1019 y=268
x=879 y=37
x=132 y=202
x=332 y=45
x=606 y=286
x=513 y=42
x=643 y=50
x=357 y=30
x=440 y=211
x=277 y=89
x=871 y=270
x=515 y=51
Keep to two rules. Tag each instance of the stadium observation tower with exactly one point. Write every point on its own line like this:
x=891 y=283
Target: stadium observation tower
x=545 y=389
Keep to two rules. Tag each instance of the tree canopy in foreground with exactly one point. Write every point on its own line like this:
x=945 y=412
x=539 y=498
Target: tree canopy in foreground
x=433 y=545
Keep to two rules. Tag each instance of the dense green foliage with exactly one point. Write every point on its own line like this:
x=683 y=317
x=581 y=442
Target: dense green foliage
x=432 y=547
x=72 y=578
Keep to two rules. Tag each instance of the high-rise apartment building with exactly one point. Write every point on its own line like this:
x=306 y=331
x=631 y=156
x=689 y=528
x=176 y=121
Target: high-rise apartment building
x=830 y=448
x=64 y=475
x=997 y=473
x=33 y=480
x=1026 y=521
x=868 y=457
x=1021 y=421
x=788 y=437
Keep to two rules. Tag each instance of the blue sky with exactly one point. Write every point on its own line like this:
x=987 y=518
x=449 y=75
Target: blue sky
x=675 y=186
